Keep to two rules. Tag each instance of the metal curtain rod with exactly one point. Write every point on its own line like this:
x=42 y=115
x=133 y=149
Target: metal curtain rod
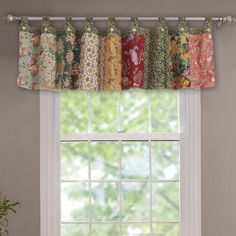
x=222 y=19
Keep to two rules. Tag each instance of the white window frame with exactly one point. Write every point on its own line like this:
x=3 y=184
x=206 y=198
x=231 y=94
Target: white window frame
x=190 y=160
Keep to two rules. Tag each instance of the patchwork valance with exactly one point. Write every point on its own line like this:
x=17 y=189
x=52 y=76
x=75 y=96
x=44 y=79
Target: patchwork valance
x=91 y=59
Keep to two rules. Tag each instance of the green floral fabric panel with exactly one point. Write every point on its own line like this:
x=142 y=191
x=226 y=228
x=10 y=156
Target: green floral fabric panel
x=158 y=57
x=60 y=63
x=71 y=55
x=47 y=59
x=69 y=44
x=75 y=69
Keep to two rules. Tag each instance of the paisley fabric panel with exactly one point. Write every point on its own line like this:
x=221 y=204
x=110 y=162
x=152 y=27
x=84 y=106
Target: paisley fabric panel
x=133 y=61
x=202 y=70
x=88 y=79
x=112 y=63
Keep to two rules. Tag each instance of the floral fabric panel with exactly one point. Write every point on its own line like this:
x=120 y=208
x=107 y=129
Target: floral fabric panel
x=75 y=66
x=89 y=62
x=113 y=66
x=60 y=63
x=89 y=54
x=37 y=57
x=191 y=56
x=69 y=44
x=47 y=62
x=179 y=68
x=29 y=52
x=71 y=56
x=133 y=61
x=202 y=71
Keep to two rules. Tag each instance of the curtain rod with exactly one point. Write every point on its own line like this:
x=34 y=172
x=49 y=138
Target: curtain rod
x=223 y=19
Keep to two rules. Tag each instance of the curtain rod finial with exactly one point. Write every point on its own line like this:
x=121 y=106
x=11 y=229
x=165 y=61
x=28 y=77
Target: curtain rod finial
x=9 y=18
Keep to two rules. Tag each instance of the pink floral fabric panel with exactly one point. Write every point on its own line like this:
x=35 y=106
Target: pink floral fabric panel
x=133 y=61
x=202 y=70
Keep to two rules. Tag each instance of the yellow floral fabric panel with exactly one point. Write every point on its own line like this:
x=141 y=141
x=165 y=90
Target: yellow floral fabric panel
x=112 y=63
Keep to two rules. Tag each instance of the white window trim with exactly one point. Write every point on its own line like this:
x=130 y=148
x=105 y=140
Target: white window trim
x=190 y=179
x=49 y=163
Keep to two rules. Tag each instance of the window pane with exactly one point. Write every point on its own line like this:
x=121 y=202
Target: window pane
x=135 y=157
x=165 y=160
x=105 y=230
x=74 y=230
x=166 y=229
x=164 y=111
x=104 y=160
x=74 y=161
x=74 y=201
x=134 y=111
x=74 y=112
x=105 y=201
x=165 y=201
x=136 y=230
x=135 y=201
x=104 y=111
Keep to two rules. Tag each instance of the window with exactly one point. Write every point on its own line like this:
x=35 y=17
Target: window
x=128 y=163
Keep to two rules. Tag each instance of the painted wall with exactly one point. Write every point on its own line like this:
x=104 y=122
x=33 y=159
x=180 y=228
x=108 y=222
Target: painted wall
x=19 y=111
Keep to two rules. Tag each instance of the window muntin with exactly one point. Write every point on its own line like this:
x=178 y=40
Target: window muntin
x=98 y=189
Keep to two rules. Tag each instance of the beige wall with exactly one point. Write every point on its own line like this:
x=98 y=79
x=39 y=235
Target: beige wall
x=19 y=111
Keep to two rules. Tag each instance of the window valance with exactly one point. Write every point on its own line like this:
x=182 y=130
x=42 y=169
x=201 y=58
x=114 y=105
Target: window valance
x=91 y=59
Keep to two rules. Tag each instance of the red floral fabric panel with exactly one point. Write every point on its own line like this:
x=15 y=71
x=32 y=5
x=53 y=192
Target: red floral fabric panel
x=133 y=61
x=202 y=70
